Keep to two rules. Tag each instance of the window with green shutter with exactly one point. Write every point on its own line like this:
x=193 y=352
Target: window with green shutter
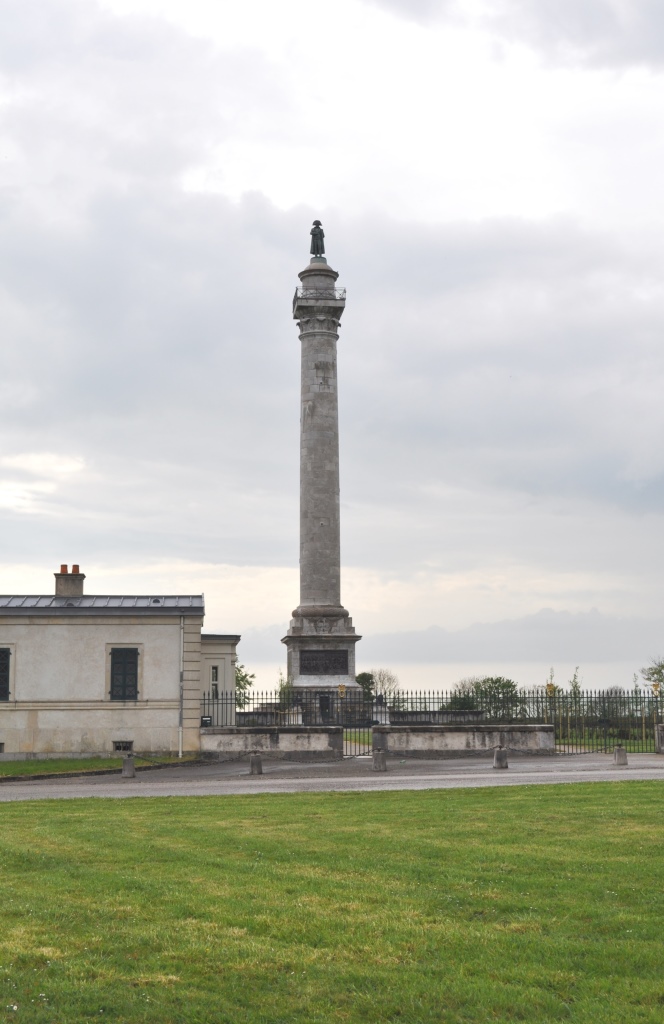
x=5 y=654
x=124 y=673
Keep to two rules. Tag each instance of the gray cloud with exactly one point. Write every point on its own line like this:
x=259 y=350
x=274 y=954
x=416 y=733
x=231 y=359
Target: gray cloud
x=500 y=381
x=594 y=32
x=418 y=10
x=518 y=369
x=545 y=636
x=600 y=33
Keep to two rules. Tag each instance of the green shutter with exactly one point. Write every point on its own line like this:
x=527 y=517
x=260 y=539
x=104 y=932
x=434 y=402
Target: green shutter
x=124 y=673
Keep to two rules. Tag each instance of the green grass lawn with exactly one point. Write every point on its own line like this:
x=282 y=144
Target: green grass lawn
x=357 y=741
x=535 y=904
x=56 y=765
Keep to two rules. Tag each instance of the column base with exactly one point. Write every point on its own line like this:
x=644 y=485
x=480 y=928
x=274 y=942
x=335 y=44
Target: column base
x=321 y=649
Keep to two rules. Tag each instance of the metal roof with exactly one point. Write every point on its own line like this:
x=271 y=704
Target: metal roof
x=97 y=604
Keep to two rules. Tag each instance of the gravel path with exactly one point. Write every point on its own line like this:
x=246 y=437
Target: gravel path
x=353 y=774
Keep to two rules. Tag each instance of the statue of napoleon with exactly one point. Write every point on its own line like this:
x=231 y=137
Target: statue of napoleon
x=317 y=240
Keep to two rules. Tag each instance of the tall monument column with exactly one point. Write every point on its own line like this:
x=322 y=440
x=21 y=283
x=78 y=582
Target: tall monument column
x=321 y=638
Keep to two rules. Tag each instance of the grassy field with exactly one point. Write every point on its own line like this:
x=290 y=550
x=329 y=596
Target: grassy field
x=55 y=765
x=534 y=904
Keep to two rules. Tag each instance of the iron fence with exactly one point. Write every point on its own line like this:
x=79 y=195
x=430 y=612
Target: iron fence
x=598 y=721
x=251 y=709
x=337 y=294
x=584 y=721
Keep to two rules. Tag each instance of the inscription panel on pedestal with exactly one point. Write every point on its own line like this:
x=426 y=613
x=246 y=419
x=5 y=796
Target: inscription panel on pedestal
x=323 y=663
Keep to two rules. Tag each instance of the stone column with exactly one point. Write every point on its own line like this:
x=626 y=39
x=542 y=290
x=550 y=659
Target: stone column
x=321 y=638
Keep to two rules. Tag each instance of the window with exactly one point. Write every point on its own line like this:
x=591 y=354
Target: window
x=215 y=674
x=123 y=745
x=124 y=673
x=4 y=673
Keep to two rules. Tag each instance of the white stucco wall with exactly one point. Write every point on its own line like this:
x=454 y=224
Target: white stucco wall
x=59 y=699
x=221 y=654
x=89 y=729
x=67 y=660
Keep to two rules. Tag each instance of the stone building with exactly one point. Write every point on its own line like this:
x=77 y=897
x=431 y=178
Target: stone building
x=95 y=674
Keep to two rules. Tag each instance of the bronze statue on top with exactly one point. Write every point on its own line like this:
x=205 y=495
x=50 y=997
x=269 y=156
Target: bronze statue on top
x=317 y=240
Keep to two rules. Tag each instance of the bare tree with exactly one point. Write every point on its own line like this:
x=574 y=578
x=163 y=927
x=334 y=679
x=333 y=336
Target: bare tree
x=385 y=681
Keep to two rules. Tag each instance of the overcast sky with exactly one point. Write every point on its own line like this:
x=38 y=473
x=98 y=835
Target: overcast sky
x=489 y=177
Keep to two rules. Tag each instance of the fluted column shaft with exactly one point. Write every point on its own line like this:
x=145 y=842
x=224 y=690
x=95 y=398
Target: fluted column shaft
x=321 y=638
x=318 y=307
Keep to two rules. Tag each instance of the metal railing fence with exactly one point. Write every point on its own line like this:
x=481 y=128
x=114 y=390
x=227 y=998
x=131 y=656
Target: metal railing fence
x=337 y=294
x=584 y=721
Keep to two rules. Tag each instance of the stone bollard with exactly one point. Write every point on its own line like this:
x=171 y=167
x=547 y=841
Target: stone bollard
x=255 y=764
x=379 y=762
x=620 y=756
x=500 y=758
x=128 y=769
x=659 y=739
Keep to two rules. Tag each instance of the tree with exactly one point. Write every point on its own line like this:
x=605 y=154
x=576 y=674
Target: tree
x=384 y=681
x=464 y=694
x=551 y=688
x=654 y=673
x=496 y=696
x=284 y=690
x=462 y=700
x=244 y=680
x=366 y=681
x=378 y=682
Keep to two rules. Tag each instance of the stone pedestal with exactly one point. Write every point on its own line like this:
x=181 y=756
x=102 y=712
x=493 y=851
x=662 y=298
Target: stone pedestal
x=500 y=758
x=321 y=649
x=659 y=739
x=321 y=638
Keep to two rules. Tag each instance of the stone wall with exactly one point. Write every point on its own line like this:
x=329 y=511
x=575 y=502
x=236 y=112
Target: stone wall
x=462 y=740
x=298 y=742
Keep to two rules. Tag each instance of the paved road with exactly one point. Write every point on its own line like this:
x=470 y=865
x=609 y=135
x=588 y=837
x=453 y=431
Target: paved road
x=351 y=775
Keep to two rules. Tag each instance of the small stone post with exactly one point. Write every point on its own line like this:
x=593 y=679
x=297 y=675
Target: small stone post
x=379 y=762
x=255 y=764
x=128 y=768
x=500 y=758
x=659 y=739
x=620 y=756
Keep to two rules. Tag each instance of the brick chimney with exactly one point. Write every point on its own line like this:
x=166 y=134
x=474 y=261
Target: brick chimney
x=69 y=584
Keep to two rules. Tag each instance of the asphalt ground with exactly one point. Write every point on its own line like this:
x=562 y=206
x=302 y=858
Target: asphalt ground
x=351 y=774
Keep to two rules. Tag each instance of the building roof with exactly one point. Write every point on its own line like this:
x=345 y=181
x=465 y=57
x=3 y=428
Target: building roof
x=220 y=638
x=97 y=604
